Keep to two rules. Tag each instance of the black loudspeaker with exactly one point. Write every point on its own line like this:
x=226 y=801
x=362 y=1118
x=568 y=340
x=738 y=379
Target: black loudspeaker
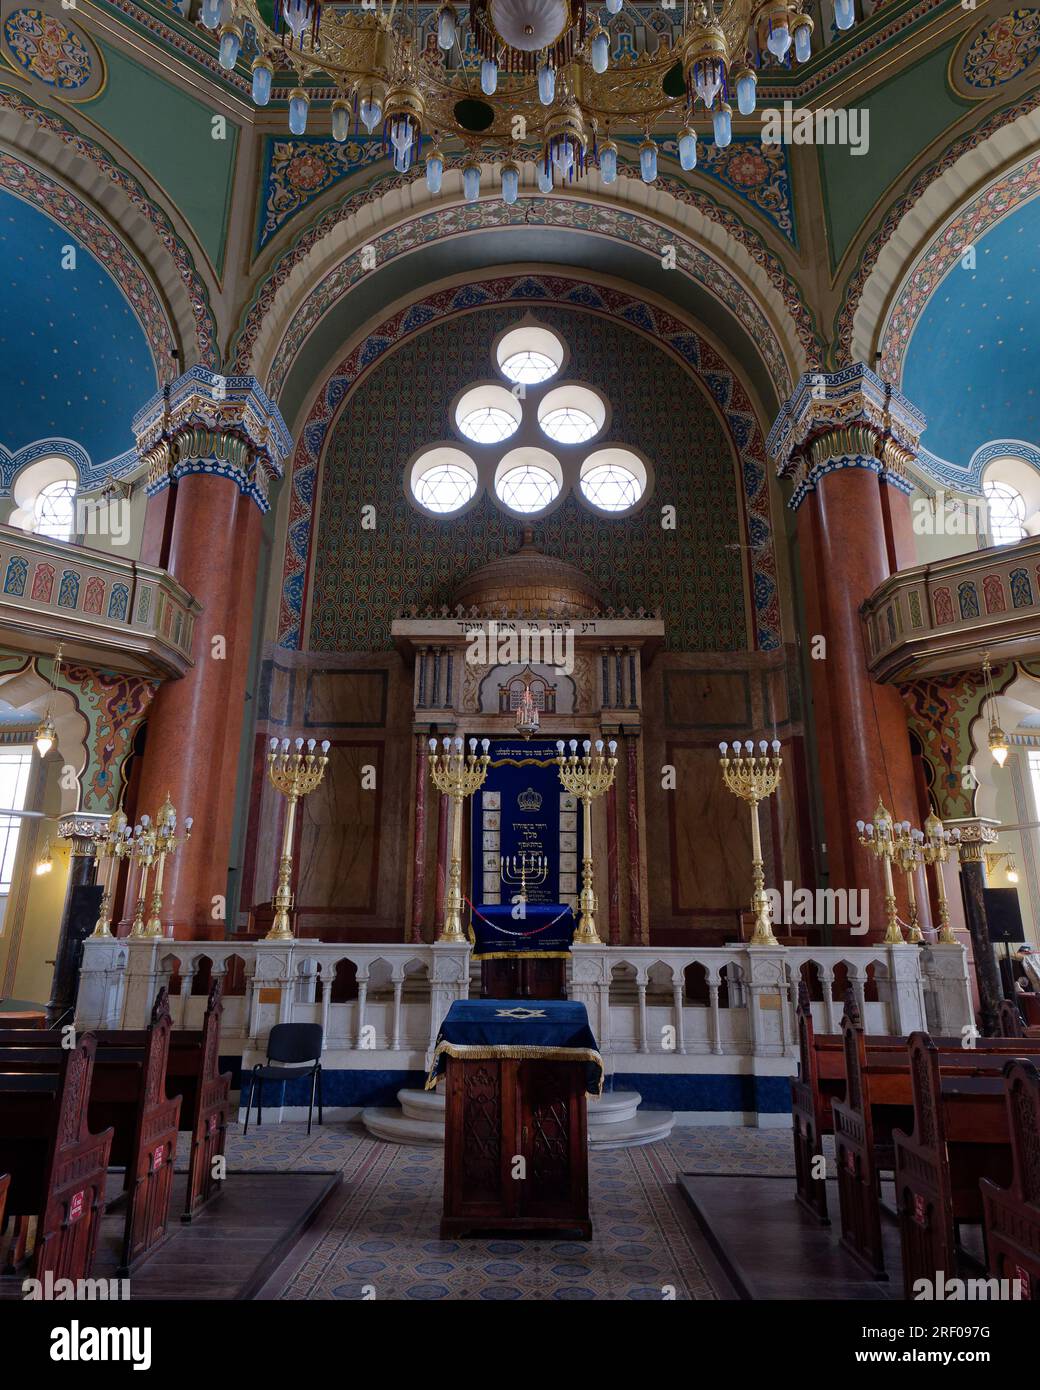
x=1004 y=914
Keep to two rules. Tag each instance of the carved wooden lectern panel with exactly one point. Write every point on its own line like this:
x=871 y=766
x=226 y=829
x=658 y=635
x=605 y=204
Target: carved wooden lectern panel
x=516 y=1146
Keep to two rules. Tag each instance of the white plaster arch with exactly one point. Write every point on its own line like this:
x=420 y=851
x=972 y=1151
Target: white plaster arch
x=1019 y=699
x=286 y=302
x=27 y=690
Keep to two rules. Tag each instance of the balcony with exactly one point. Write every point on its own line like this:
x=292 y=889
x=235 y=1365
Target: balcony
x=105 y=609
x=939 y=618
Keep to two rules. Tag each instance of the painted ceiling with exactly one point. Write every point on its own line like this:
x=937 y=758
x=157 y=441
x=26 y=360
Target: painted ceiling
x=971 y=362
x=74 y=360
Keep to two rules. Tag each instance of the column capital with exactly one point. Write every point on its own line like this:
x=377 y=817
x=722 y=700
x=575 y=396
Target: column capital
x=207 y=423
x=845 y=419
x=84 y=829
x=976 y=833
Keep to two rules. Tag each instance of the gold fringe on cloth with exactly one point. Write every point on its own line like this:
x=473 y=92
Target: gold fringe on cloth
x=521 y=1052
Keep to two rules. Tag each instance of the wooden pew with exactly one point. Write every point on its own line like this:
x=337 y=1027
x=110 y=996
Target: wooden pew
x=820 y=1081
x=960 y=1136
x=206 y=1093
x=191 y=1073
x=878 y=1099
x=56 y=1166
x=1011 y=1215
x=1011 y=1022
x=128 y=1093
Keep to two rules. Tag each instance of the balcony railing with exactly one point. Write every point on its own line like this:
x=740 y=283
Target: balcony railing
x=106 y=608
x=938 y=618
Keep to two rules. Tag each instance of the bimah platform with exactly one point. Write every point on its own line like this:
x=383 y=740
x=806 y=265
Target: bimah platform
x=516 y=1139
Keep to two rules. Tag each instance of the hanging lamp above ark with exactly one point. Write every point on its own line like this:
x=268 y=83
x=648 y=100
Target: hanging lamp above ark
x=542 y=81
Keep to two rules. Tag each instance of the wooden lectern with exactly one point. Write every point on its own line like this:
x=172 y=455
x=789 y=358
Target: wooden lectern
x=516 y=1135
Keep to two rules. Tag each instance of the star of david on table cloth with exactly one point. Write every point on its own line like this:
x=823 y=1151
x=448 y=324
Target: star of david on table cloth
x=558 y=1030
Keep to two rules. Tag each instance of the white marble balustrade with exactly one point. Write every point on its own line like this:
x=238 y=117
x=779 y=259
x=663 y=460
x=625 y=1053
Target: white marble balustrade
x=638 y=1003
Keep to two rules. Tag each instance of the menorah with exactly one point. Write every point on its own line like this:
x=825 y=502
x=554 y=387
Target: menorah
x=523 y=869
x=880 y=837
x=295 y=775
x=587 y=777
x=152 y=842
x=111 y=844
x=753 y=780
x=937 y=845
x=457 y=776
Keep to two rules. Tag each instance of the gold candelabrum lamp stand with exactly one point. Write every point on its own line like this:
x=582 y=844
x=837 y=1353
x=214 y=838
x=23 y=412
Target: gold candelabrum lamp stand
x=753 y=780
x=152 y=842
x=587 y=777
x=523 y=869
x=881 y=837
x=909 y=855
x=111 y=845
x=295 y=774
x=938 y=844
x=457 y=775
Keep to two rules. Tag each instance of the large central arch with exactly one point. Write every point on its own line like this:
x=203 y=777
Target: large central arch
x=706 y=261
x=527 y=288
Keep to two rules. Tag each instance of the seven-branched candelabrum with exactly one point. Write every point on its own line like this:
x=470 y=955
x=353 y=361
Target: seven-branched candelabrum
x=295 y=774
x=457 y=775
x=587 y=777
x=752 y=780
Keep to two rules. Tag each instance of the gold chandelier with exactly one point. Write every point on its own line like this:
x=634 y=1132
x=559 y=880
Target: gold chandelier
x=533 y=78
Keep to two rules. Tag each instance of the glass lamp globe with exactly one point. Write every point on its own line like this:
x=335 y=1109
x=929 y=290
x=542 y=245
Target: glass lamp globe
x=688 y=148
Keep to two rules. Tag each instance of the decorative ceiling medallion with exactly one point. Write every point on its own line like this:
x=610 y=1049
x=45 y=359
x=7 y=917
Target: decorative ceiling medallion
x=996 y=53
x=56 y=56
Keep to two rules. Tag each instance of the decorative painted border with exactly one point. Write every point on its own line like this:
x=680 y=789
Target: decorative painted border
x=40 y=191
x=550 y=212
x=701 y=359
x=328 y=164
x=864 y=263
x=91 y=475
x=198 y=295
x=1002 y=198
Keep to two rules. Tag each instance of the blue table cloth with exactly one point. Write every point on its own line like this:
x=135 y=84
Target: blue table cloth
x=544 y=932
x=533 y=1028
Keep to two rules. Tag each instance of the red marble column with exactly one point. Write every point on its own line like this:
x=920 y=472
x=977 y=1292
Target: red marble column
x=195 y=724
x=637 y=928
x=419 y=862
x=861 y=730
x=613 y=871
x=211 y=444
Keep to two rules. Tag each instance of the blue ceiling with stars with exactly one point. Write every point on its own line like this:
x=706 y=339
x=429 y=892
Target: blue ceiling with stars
x=971 y=362
x=74 y=360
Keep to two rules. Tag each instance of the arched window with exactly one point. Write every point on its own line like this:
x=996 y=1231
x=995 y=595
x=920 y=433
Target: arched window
x=55 y=510
x=45 y=497
x=1011 y=487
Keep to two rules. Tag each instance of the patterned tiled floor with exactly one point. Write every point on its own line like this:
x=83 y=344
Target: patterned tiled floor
x=380 y=1238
